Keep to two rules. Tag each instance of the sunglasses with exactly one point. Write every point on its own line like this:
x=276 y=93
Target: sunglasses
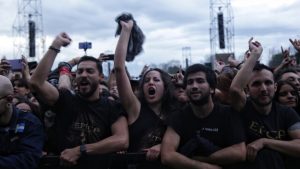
x=7 y=96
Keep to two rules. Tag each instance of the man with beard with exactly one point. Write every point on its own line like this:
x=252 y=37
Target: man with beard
x=203 y=134
x=87 y=124
x=271 y=129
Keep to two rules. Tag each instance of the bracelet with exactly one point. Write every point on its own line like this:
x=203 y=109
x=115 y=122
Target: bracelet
x=82 y=150
x=54 y=49
x=238 y=66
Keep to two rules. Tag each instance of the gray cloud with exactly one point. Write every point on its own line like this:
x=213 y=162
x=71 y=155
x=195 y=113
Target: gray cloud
x=168 y=25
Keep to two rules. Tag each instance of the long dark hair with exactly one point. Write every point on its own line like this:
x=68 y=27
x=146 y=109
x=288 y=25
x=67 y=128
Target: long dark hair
x=279 y=86
x=168 y=99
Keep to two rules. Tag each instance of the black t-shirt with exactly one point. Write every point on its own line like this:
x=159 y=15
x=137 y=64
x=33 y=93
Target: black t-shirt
x=275 y=125
x=79 y=121
x=222 y=126
x=146 y=131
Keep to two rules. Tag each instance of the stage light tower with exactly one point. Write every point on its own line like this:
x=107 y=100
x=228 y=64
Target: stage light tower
x=221 y=29
x=28 y=30
x=187 y=55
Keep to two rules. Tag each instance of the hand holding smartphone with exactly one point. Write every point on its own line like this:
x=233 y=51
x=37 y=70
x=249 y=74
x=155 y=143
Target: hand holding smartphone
x=16 y=64
x=104 y=57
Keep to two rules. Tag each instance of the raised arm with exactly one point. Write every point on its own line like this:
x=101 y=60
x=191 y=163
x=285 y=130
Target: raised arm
x=38 y=81
x=127 y=96
x=65 y=79
x=243 y=76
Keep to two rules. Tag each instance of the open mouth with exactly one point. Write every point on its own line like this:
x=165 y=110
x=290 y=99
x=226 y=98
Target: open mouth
x=84 y=83
x=151 y=91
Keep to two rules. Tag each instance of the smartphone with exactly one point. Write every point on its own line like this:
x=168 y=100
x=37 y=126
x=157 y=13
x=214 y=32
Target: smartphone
x=16 y=64
x=32 y=65
x=108 y=57
x=85 y=45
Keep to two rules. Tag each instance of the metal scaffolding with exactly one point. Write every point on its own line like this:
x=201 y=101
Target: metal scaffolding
x=221 y=13
x=29 y=11
x=187 y=55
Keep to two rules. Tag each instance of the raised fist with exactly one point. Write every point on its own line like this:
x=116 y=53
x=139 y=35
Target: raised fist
x=127 y=25
x=255 y=48
x=61 y=39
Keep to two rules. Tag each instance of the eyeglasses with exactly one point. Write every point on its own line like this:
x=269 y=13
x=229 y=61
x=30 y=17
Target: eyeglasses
x=282 y=94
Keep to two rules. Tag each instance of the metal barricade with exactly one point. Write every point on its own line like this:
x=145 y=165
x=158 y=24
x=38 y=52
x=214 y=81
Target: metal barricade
x=115 y=160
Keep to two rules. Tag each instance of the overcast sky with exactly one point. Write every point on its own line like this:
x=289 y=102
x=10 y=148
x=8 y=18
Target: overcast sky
x=168 y=26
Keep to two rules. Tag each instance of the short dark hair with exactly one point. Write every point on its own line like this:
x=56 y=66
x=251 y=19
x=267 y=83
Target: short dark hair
x=209 y=73
x=278 y=75
x=20 y=82
x=91 y=58
x=259 y=67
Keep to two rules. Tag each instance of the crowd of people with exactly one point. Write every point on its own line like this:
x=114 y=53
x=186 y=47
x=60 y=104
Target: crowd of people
x=241 y=115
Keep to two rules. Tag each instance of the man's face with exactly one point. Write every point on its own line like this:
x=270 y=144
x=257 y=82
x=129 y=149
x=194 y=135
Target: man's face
x=87 y=78
x=180 y=94
x=198 y=89
x=261 y=87
x=292 y=78
x=4 y=100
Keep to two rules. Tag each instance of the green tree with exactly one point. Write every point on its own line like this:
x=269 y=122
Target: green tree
x=275 y=60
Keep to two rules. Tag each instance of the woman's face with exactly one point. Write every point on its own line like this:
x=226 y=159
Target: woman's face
x=287 y=96
x=153 y=87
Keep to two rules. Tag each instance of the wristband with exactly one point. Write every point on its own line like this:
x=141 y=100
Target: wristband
x=82 y=149
x=54 y=49
x=238 y=66
x=64 y=70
